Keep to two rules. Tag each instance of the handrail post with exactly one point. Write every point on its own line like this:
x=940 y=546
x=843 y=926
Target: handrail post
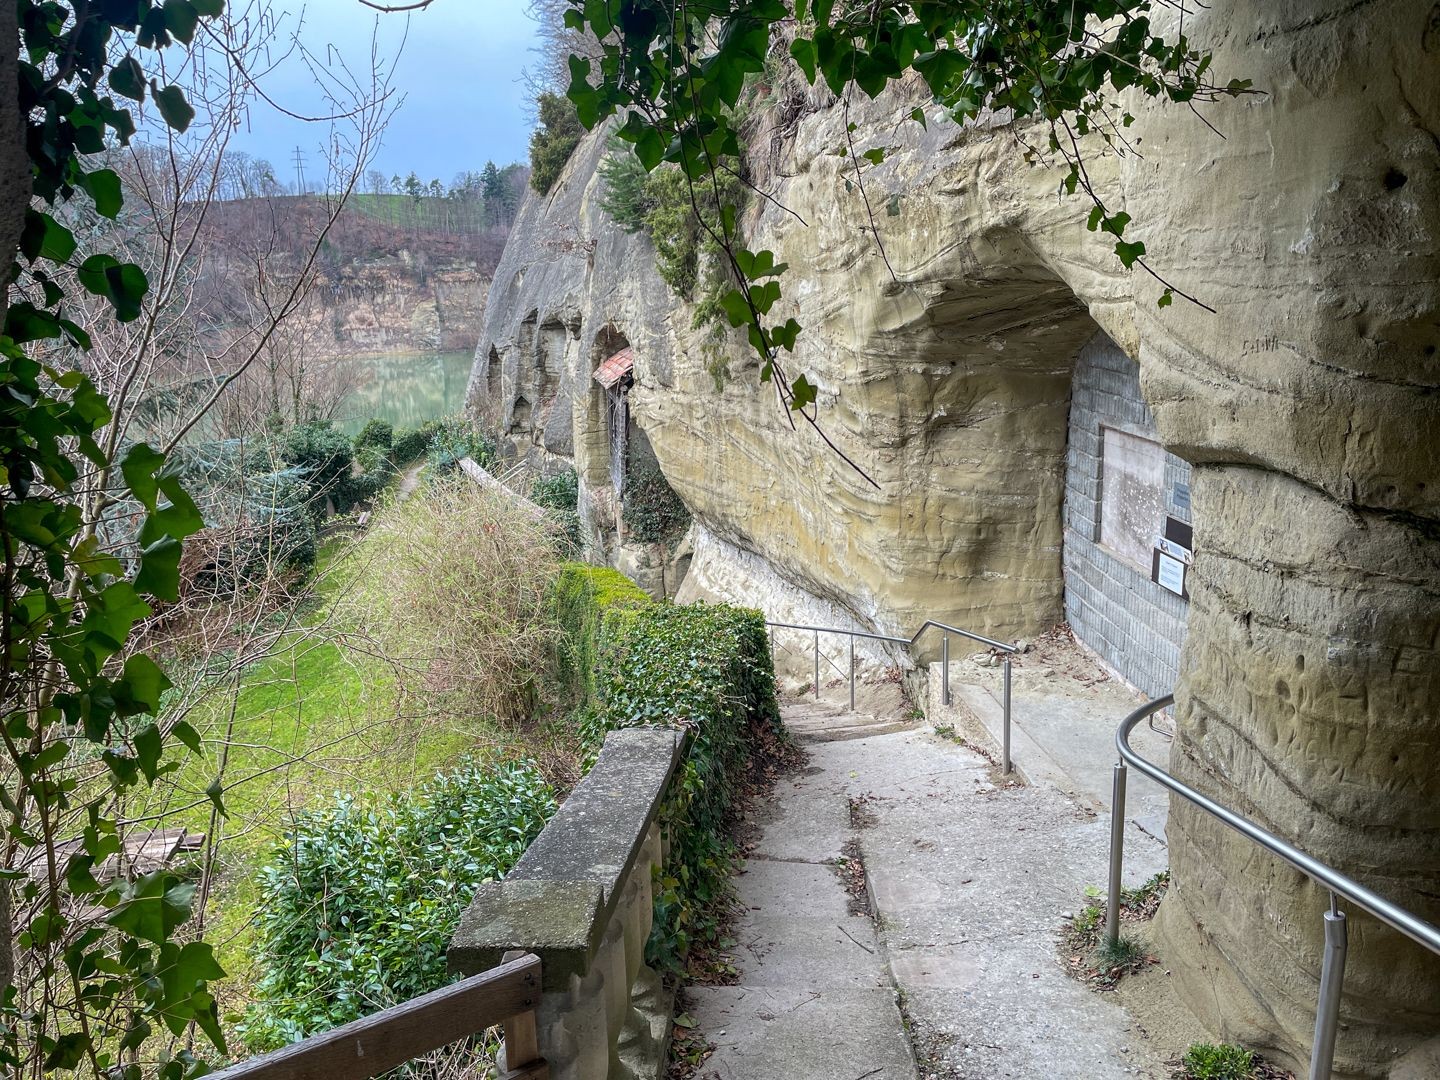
x=1005 y=735
x=817 y=664
x=522 y=1059
x=1117 y=854
x=1332 y=983
x=945 y=668
x=852 y=672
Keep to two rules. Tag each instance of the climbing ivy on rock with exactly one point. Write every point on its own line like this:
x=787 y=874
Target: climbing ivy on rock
x=675 y=70
x=104 y=981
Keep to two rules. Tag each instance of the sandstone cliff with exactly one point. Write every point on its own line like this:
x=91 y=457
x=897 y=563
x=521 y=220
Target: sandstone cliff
x=1309 y=693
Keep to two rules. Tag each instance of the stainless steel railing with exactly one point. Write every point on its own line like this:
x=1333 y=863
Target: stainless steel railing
x=1332 y=965
x=929 y=624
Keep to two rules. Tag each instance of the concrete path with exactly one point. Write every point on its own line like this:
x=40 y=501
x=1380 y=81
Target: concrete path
x=815 y=998
x=1064 y=711
x=958 y=969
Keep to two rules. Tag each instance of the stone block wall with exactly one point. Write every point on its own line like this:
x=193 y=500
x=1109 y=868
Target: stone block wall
x=1135 y=625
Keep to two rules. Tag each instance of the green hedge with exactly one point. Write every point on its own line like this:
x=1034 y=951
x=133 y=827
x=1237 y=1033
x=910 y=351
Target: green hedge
x=357 y=910
x=705 y=669
x=708 y=670
x=583 y=596
x=411 y=443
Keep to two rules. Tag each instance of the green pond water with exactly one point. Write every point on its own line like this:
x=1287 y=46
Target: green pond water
x=405 y=388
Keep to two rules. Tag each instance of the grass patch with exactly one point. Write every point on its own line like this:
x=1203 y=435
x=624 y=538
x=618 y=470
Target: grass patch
x=1206 y=1061
x=1085 y=952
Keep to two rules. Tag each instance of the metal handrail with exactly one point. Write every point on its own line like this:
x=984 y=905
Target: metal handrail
x=910 y=642
x=1332 y=967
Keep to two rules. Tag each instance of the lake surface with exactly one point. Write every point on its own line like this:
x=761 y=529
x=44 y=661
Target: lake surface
x=405 y=388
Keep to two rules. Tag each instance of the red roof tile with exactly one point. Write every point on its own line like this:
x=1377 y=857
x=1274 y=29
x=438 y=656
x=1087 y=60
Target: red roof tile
x=616 y=368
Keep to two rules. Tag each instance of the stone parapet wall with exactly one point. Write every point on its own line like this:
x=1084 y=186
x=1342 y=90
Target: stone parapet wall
x=581 y=899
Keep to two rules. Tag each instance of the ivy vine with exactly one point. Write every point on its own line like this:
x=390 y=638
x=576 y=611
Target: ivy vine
x=104 y=979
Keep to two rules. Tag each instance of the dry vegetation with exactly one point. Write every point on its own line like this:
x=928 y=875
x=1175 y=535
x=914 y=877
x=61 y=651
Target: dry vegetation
x=459 y=599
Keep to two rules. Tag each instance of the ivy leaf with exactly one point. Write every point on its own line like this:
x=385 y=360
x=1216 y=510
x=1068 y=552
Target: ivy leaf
x=183 y=970
x=24 y=322
x=45 y=238
x=104 y=187
x=128 y=80
x=765 y=296
x=67 y=1052
x=875 y=155
x=802 y=393
x=737 y=311
x=138 y=467
x=918 y=115
x=174 y=109
x=123 y=284
x=784 y=336
x=1115 y=223
x=759 y=264
x=149 y=745
x=650 y=148
x=153 y=907
x=1129 y=252
x=214 y=793
x=144 y=682
x=159 y=574
x=1166 y=298
x=188 y=736
x=181 y=18
x=803 y=52
x=1097 y=213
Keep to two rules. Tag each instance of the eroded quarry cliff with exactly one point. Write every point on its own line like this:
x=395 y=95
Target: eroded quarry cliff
x=944 y=341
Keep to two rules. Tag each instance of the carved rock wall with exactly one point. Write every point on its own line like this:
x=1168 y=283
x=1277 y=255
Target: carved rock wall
x=1309 y=408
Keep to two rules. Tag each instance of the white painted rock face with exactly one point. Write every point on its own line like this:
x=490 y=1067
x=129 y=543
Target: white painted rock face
x=1308 y=406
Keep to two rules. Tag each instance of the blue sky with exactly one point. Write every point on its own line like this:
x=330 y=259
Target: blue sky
x=459 y=71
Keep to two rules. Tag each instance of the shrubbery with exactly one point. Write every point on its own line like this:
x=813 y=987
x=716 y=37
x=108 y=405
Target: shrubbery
x=455 y=439
x=583 y=596
x=256 y=510
x=412 y=443
x=358 y=910
x=340 y=474
x=464 y=605
x=558 y=492
x=660 y=205
x=376 y=434
x=560 y=495
x=708 y=670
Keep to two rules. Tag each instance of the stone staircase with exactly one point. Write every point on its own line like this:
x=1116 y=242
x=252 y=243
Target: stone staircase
x=830 y=719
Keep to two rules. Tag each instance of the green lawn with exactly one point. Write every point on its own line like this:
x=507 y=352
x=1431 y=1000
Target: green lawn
x=314 y=717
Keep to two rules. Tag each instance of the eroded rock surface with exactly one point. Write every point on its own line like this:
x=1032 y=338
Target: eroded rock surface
x=1309 y=407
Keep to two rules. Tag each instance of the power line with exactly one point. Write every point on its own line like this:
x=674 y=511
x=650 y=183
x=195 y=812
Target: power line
x=299 y=171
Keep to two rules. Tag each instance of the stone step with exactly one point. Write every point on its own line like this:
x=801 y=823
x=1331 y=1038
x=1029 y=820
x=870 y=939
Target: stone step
x=811 y=721
x=834 y=733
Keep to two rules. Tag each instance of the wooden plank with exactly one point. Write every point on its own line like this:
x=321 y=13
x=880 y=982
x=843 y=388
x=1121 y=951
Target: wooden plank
x=522 y=1043
x=376 y=1044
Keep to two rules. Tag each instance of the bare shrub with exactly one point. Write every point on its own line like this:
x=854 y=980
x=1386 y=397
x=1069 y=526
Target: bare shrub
x=461 y=601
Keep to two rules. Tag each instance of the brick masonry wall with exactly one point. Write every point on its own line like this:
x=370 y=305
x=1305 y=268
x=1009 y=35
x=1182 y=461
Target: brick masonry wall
x=1135 y=626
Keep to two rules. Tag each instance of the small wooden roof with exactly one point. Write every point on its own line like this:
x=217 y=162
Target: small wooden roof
x=616 y=368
